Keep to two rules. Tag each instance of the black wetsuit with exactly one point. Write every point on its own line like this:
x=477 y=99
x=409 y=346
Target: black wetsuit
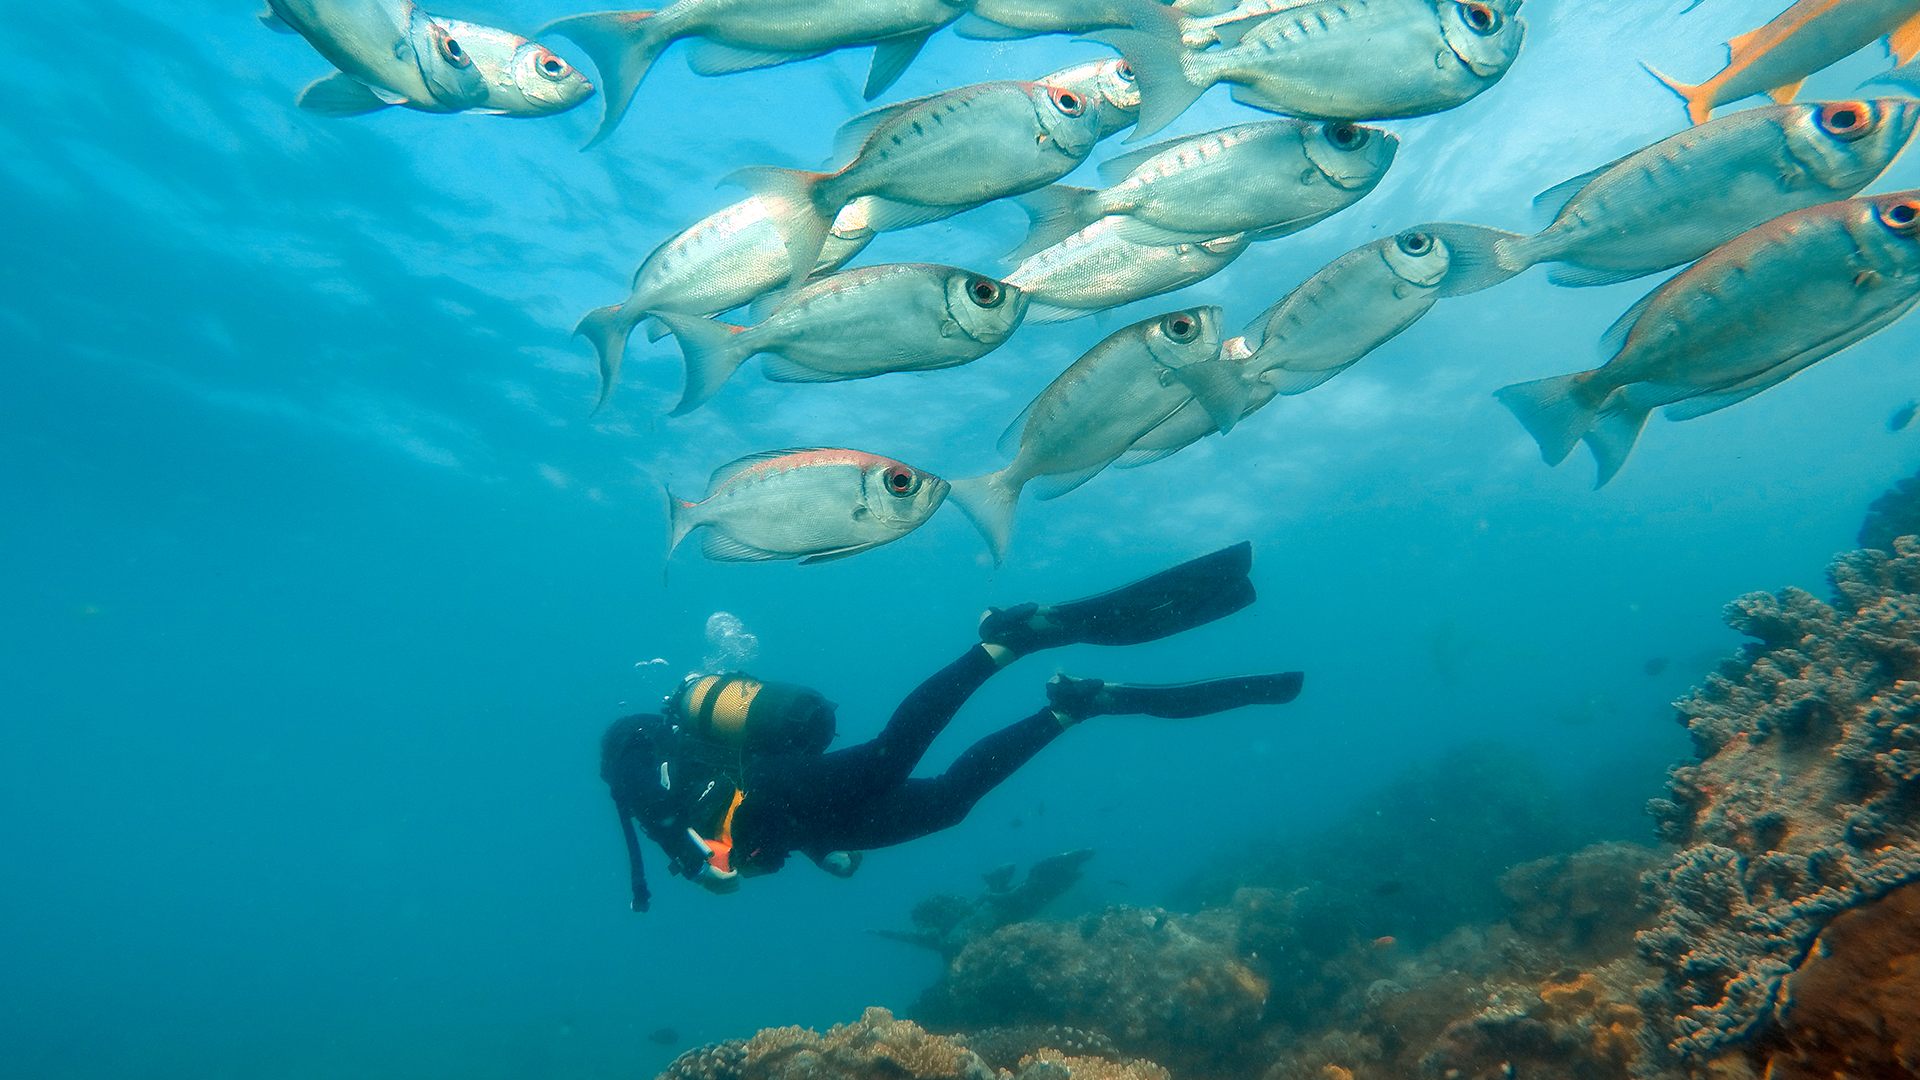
x=852 y=799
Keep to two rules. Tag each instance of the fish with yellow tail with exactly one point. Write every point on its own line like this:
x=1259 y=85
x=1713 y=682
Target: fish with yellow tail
x=1753 y=313
x=1801 y=40
x=1334 y=60
x=1680 y=198
x=741 y=35
x=1121 y=389
x=928 y=158
x=812 y=504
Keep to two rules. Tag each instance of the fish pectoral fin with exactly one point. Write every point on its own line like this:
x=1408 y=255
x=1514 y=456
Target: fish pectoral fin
x=1615 y=337
x=1054 y=485
x=890 y=59
x=275 y=23
x=1133 y=459
x=840 y=553
x=1217 y=386
x=340 y=94
x=1905 y=40
x=712 y=58
x=720 y=547
x=781 y=369
x=1781 y=95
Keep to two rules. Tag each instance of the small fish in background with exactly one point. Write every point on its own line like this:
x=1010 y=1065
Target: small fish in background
x=664 y=1036
x=1132 y=380
x=1674 y=201
x=727 y=259
x=1903 y=416
x=812 y=504
x=1809 y=36
x=1334 y=60
x=855 y=325
x=741 y=35
x=1655 y=666
x=1269 y=179
x=1751 y=314
x=929 y=158
x=1386 y=943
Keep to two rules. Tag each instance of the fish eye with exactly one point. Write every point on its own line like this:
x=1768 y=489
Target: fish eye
x=901 y=480
x=1346 y=136
x=551 y=66
x=1181 y=326
x=1479 y=18
x=450 y=50
x=1902 y=217
x=1069 y=102
x=1414 y=243
x=1846 y=119
x=1124 y=70
x=985 y=291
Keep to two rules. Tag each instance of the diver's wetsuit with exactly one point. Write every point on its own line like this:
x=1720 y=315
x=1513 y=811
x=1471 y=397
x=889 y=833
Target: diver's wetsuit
x=862 y=797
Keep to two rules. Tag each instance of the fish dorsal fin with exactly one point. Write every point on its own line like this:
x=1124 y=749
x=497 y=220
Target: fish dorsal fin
x=1054 y=485
x=841 y=553
x=1118 y=168
x=853 y=135
x=781 y=369
x=275 y=23
x=340 y=94
x=1009 y=444
x=733 y=468
x=720 y=547
x=712 y=58
x=1905 y=41
x=1133 y=459
x=890 y=59
x=1739 y=43
x=1781 y=95
x=1548 y=204
x=1615 y=337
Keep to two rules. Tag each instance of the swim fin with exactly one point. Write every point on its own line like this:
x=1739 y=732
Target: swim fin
x=1192 y=594
x=1081 y=698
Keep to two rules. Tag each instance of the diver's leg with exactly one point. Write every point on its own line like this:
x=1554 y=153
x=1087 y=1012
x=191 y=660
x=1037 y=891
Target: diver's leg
x=1192 y=594
x=1078 y=699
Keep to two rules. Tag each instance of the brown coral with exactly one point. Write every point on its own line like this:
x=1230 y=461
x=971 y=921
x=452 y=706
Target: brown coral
x=1853 y=1009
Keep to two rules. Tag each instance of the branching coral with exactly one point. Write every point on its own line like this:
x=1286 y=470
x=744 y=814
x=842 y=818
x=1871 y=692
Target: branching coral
x=1804 y=802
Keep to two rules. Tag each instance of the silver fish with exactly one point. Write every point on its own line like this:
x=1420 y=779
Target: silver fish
x=1270 y=179
x=1120 y=390
x=727 y=259
x=814 y=504
x=1007 y=20
x=740 y=35
x=930 y=157
x=1094 y=269
x=1680 y=198
x=1352 y=306
x=389 y=52
x=1754 y=312
x=855 y=325
x=1109 y=85
x=522 y=77
x=1335 y=60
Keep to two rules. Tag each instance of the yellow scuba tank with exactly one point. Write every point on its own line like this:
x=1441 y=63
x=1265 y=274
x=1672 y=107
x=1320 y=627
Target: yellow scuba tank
x=740 y=716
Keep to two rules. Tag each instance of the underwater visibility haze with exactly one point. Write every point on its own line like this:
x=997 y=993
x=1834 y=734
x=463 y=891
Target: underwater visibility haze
x=329 y=549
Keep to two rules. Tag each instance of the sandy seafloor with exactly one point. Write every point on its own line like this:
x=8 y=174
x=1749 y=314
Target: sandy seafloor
x=319 y=581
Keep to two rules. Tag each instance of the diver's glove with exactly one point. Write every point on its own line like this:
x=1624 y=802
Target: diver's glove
x=715 y=875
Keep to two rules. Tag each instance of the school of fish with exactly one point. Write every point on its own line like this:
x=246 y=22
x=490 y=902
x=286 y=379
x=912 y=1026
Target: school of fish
x=1785 y=262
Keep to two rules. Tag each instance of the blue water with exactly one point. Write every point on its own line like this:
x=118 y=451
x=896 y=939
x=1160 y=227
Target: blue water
x=317 y=583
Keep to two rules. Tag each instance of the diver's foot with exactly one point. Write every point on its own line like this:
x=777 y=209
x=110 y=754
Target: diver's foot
x=1074 y=700
x=1192 y=594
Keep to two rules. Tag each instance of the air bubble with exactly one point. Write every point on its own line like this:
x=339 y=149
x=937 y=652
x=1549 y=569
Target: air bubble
x=729 y=646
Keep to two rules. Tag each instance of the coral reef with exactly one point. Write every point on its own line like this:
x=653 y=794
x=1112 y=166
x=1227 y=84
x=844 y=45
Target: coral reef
x=946 y=923
x=1853 y=1008
x=1894 y=514
x=1804 y=802
x=1004 y=1047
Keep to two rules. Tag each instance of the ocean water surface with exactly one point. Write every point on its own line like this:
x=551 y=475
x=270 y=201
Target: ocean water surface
x=319 y=581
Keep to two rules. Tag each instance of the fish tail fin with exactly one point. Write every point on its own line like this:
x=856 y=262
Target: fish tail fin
x=1613 y=434
x=1698 y=98
x=1555 y=411
x=1054 y=213
x=712 y=350
x=1160 y=68
x=1153 y=17
x=798 y=207
x=679 y=522
x=607 y=328
x=623 y=46
x=1477 y=257
x=989 y=502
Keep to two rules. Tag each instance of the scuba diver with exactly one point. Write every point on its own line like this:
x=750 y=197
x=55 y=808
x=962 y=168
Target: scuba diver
x=734 y=775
